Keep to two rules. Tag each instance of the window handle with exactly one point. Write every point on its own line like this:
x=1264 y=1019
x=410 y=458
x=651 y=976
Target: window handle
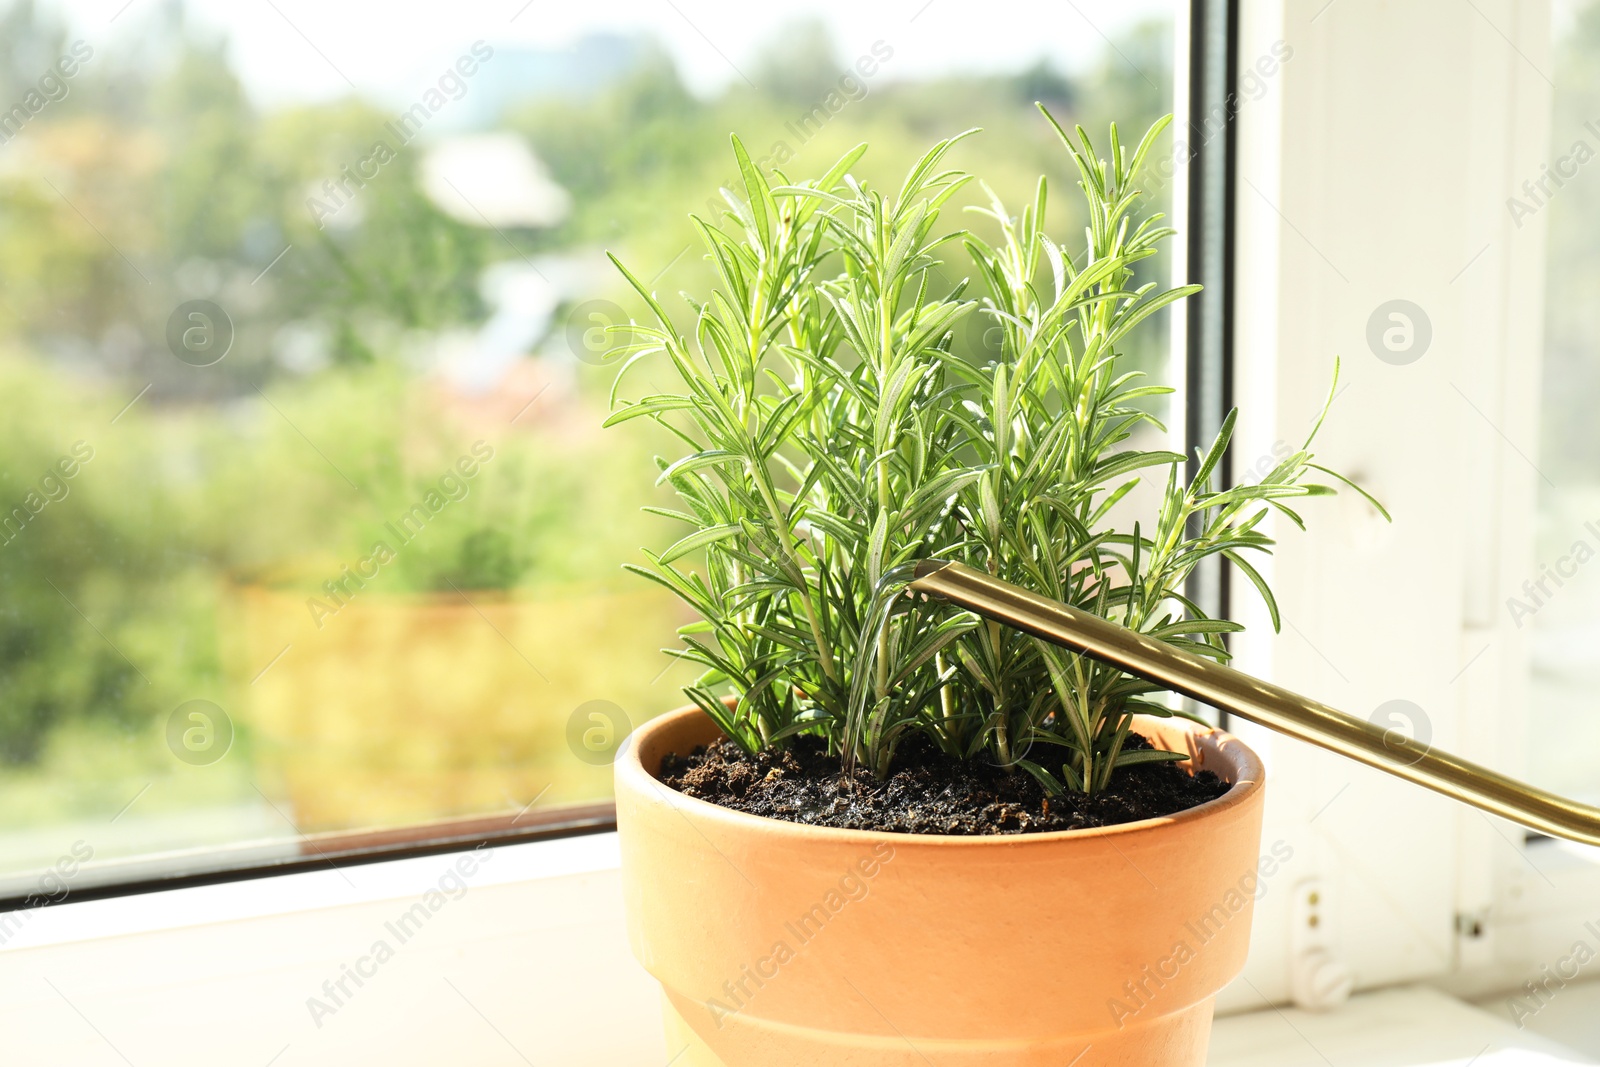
x=1269 y=705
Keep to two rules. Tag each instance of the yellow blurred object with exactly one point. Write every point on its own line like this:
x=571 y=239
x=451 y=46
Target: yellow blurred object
x=408 y=708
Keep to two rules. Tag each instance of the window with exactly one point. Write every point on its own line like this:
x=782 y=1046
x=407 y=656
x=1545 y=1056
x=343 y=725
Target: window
x=1557 y=602
x=1404 y=186
x=308 y=525
x=1377 y=193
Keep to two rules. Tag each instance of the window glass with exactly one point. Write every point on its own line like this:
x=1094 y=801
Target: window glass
x=1558 y=601
x=307 y=519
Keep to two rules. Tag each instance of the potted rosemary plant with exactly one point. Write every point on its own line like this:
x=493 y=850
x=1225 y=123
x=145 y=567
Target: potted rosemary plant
x=887 y=831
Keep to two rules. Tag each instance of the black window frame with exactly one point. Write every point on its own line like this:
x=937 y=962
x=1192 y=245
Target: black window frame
x=1209 y=225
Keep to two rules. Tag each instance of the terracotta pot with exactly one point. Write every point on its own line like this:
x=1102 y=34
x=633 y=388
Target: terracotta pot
x=778 y=944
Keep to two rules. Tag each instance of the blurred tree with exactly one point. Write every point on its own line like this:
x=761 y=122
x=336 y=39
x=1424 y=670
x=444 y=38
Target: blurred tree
x=1048 y=86
x=158 y=180
x=30 y=43
x=800 y=65
x=212 y=189
x=627 y=142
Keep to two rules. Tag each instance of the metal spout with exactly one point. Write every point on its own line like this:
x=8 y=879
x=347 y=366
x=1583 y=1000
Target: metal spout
x=1272 y=706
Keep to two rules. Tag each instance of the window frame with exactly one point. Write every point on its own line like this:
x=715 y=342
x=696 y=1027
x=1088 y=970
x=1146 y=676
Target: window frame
x=1204 y=338
x=161 y=872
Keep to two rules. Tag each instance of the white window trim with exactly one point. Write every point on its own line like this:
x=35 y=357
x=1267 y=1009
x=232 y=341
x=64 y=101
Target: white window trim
x=1377 y=166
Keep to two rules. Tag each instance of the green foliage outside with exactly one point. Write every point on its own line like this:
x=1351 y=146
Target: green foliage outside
x=157 y=179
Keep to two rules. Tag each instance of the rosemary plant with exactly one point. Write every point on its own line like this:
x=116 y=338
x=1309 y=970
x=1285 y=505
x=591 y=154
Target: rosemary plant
x=832 y=439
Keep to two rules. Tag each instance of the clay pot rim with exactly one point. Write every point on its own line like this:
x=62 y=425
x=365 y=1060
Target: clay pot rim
x=1249 y=776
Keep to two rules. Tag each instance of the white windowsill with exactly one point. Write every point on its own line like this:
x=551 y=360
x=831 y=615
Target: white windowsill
x=1406 y=1027
x=531 y=957
x=288 y=893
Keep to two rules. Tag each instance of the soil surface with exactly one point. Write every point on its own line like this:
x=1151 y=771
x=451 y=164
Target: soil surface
x=926 y=792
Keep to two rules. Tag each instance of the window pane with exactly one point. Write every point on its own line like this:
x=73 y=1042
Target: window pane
x=309 y=521
x=1559 y=601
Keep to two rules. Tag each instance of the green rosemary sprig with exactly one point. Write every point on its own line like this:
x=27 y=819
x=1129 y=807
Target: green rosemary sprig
x=832 y=437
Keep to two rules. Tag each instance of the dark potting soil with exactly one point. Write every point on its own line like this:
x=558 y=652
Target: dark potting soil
x=926 y=792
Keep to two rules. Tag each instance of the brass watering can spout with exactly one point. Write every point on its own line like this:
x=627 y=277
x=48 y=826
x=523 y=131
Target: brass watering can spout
x=1260 y=702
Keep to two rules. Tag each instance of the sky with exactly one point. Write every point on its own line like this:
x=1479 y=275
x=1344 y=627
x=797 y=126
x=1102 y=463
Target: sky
x=293 y=50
